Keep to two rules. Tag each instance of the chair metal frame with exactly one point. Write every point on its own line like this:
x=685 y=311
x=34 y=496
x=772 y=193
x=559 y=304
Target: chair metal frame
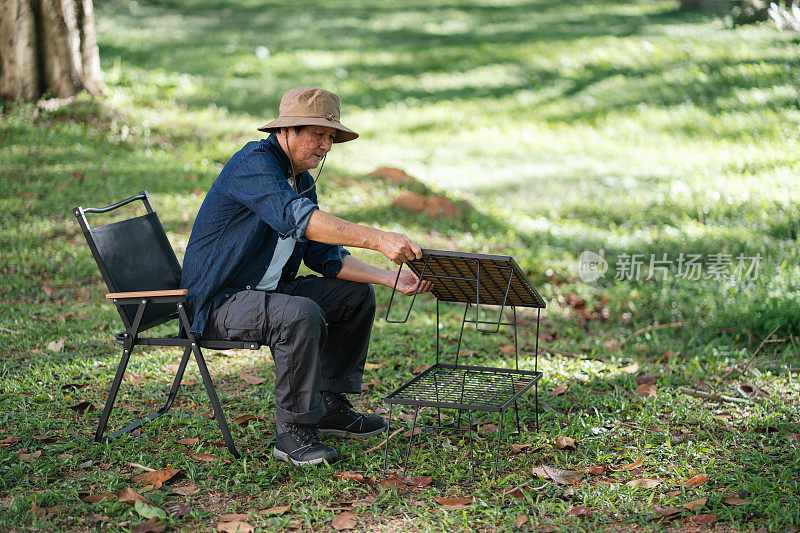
x=133 y=327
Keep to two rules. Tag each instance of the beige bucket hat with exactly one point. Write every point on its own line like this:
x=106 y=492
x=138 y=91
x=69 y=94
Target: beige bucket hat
x=309 y=106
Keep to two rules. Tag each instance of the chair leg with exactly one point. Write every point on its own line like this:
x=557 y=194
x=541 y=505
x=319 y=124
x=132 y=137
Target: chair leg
x=212 y=395
x=173 y=393
x=112 y=394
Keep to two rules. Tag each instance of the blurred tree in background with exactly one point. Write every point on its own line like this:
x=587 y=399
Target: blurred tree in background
x=48 y=47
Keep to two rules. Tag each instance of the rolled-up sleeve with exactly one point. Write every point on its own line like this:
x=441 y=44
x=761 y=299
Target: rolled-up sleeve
x=258 y=183
x=325 y=259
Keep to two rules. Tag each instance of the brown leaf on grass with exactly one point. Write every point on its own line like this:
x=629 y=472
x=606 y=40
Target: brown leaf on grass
x=696 y=481
x=612 y=345
x=487 y=429
x=94 y=498
x=203 y=457
x=644 y=483
x=667 y=355
x=235 y=527
x=667 y=513
x=344 y=521
x=8 y=441
x=646 y=390
x=646 y=379
x=151 y=526
x=521 y=520
x=561 y=476
x=56 y=509
x=630 y=466
x=244 y=419
x=134 y=379
x=207 y=415
x=452 y=503
x=420 y=369
x=558 y=390
x=371 y=384
x=795 y=437
x=596 y=470
x=580 y=510
x=45 y=438
x=672 y=493
x=37 y=511
x=736 y=501
x=82 y=407
x=234 y=517
x=56 y=346
x=354 y=476
x=188 y=442
x=508 y=349
x=252 y=380
x=184 y=491
x=526 y=447
x=130 y=496
x=565 y=443
x=694 y=505
x=417 y=430
x=275 y=511
x=30 y=456
x=702 y=519
x=155 y=478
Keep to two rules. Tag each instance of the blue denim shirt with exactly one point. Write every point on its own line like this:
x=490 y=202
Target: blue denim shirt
x=248 y=207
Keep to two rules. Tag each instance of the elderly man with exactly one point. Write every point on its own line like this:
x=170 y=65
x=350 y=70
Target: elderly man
x=259 y=220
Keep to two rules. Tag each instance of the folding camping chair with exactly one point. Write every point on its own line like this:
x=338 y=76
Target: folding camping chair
x=143 y=278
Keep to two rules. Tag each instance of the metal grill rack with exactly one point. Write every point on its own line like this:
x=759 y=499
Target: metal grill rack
x=474 y=280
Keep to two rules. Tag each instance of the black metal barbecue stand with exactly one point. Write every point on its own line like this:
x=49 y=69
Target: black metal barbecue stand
x=143 y=276
x=471 y=279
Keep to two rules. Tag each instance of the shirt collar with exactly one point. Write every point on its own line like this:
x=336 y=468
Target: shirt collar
x=283 y=159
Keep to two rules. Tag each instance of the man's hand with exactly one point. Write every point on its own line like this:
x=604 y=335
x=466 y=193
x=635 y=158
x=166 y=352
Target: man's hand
x=398 y=247
x=407 y=283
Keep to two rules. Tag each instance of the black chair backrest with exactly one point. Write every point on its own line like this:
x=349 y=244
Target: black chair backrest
x=134 y=255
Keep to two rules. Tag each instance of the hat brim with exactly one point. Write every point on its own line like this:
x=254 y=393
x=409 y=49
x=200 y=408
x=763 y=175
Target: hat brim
x=343 y=133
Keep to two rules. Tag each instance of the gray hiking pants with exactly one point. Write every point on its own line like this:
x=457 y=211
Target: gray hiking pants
x=318 y=330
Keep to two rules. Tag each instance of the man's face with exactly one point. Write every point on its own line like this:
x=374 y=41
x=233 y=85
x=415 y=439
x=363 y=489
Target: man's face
x=308 y=146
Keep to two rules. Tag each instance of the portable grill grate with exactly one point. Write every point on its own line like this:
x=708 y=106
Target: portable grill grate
x=474 y=280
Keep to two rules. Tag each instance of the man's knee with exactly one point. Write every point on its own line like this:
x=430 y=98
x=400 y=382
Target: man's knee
x=304 y=314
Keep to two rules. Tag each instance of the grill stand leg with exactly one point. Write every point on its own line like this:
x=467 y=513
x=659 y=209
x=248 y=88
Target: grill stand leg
x=411 y=440
x=516 y=415
x=499 y=437
x=388 y=430
x=536 y=396
x=471 y=452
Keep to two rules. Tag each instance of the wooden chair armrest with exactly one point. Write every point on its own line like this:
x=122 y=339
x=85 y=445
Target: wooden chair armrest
x=146 y=294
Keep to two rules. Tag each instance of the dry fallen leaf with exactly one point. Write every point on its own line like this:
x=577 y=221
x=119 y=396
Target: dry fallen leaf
x=631 y=368
x=646 y=379
x=420 y=369
x=452 y=503
x=156 y=478
x=558 y=390
x=37 y=511
x=795 y=437
x=235 y=527
x=595 y=470
x=130 y=496
x=521 y=520
x=8 y=441
x=371 y=384
x=630 y=466
x=487 y=429
x=508 y=349
x=56 y=346
x=30 y=456
x=185 y=491
x=565 y=443
x=736 y=501
x=151 y=526
x=82 y=407
x=647 y=390
x=694 y=505
x=188 y=441
x=703 y=519
x=696 y=481
x=343 y=521
x=275 y=511
x=644 y=483
x=244 y=419
x=94 y=498
x=580 y=510
x=354 y=476
x=234 y=517
x=203 y=457
x=667 y=513
x=252 y=380
x=563 y=477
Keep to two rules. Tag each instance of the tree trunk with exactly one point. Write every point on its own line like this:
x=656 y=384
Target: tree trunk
x=48 y=47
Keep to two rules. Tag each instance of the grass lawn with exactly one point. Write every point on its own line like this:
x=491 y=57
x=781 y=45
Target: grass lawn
x=656 y=138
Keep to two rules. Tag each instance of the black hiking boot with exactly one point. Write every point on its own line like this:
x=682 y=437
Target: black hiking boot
x=300 y=445
x=341 y=420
